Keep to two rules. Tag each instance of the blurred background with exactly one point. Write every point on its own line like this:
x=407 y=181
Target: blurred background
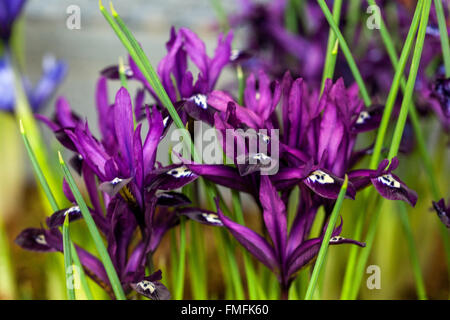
x=28 y=275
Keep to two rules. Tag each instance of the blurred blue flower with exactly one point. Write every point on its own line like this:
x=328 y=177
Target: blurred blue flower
x=53 y=72
x=9 y=12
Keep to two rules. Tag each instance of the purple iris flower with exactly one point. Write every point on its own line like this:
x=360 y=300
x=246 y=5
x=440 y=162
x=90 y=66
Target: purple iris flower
x=316 y=150
x=118 y=227
x=9 y=12
x=443 y=212
x=188 y=95
x=288 y=252
x=270 y=46
x=137 y=191
x=437 y=97
x=53 y=72
x=317 y=144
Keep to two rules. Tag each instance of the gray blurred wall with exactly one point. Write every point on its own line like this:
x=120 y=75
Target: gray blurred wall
x=95 y=45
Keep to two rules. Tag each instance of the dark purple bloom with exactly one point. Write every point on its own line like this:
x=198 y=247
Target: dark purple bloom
x=316 y=147
x=9 y=12
x=188 y=95
x=151 y=287
x=439 y=100
x=275 y=49
x=137 y=192
x=443 y=212
x=57 y=218
x=288 y=252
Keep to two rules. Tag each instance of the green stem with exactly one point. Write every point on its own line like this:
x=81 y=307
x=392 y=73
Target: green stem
x=95 y=234
x=173 y=258
x=8 y=288
x=181 y=261
x=290 y=17
x=352 y=17
x=347 y=53
x=407 y=99
x=252 y=284
x=387 y=40
x=331 y=55
x=364 y=256
x=395 y=83
x=23 y=113
x=351 y=264
x=418 y=277
x=53 y=204
x=222 y=237
x=444 y=35
x=326 y=242
x=141 y=60
x=221 y=15
x=68 y=266
x=408 y=96
x=197 y=262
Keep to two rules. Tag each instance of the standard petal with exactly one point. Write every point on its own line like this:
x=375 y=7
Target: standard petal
x=123 y=123
x=274 y=214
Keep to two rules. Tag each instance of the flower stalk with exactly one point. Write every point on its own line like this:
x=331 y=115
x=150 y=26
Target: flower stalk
x=95 y=234
x=396 y=138
x=347 y=53
x=326 y=241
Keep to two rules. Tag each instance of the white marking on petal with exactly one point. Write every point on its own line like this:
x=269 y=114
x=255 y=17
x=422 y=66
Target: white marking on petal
x=388 y=179
x=72 y=210
x=147 y=285
x=181 y=172
x=128 y=71
x=116 y=181
x=200 y=101
x=234 y=54
x=41 y=240
x=320 y=177
x=165 y=120
x=258 y=95
x=212 y=218
x=336 y=239
x=363 y=116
